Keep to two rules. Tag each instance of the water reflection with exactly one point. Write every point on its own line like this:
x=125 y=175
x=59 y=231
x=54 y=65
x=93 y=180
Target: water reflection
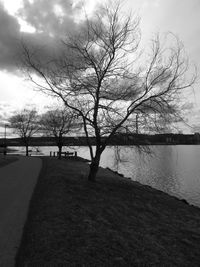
x=163 y=166
x=153 y=167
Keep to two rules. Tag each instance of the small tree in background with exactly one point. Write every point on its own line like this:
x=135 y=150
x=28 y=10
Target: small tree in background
x=103 y=78
x=25 y=125
x=58 y=122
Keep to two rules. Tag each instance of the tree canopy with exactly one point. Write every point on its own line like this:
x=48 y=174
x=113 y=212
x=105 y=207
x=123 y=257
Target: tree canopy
x=25 y=124
x=103 y=77
x=58 y=122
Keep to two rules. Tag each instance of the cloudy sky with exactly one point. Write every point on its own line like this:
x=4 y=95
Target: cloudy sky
x=42 y=22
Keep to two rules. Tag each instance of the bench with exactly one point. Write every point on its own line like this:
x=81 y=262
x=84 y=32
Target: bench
x=65 y=154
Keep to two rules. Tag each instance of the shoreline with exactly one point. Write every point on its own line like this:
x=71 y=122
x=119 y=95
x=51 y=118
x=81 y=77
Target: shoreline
x=78 y=158
x=129 y=178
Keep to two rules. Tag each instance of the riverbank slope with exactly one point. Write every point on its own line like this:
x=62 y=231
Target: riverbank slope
x=4 y=160
x=113 y=222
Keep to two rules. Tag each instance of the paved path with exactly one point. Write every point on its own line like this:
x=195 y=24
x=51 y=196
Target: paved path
x=17 y=181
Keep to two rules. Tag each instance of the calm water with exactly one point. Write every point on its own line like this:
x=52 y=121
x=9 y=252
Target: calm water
x=173 y=169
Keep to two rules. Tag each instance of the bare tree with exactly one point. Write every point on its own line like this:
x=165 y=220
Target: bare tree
x=25 y=125
x=58 y=122
x=105 y=79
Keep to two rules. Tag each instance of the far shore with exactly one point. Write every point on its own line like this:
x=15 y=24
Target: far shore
x=120 y=139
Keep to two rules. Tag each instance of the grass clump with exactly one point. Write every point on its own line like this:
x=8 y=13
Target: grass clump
x=113 y=222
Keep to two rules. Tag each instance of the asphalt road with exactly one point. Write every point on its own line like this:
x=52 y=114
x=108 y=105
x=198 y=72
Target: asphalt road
x=17 y=182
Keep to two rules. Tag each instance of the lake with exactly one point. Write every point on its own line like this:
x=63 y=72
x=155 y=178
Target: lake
x=173 y=169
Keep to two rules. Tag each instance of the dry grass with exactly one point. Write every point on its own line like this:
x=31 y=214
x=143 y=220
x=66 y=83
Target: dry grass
x=4 y=160
x=113 y=222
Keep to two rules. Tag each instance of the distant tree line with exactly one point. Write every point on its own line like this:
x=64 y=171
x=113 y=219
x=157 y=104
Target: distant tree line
x=117 y=140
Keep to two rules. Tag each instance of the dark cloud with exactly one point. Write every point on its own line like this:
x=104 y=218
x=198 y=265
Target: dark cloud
x=50 y=16
x=9 y=36
x=51 y=19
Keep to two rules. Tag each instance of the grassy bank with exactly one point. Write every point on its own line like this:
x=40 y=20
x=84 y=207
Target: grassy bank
x=4 y=160
x=114 y=222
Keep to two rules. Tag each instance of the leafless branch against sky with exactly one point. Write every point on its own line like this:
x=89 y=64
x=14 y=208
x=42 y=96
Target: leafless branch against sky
x=100 y=73
x=42 y=23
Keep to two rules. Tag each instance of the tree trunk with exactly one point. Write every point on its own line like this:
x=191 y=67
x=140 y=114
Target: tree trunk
x=59 y=152
x=26 y=150
x=94 y=166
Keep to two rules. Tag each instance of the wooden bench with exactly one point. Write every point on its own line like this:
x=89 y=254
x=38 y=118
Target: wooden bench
x=65 y=154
